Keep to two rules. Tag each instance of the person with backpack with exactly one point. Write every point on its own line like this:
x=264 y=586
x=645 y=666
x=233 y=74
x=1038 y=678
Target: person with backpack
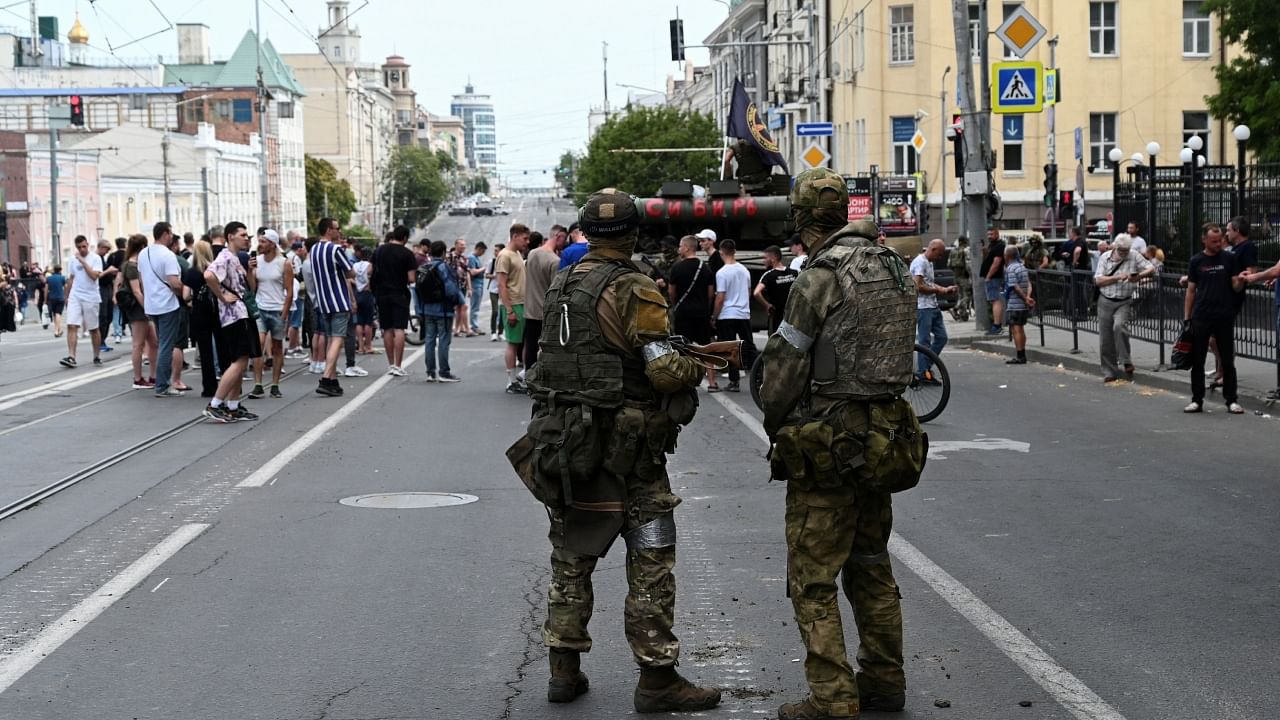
x=439 y=296
x=843 y=440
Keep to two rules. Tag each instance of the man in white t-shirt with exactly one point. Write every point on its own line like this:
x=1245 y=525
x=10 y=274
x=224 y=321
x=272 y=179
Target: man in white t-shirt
x=1138 y=246
x=733 y=307
x=930 y=328
x=800 y=253
x=161 y=287
x=83 y=300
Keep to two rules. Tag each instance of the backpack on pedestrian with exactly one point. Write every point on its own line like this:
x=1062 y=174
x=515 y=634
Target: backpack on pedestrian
x=430 y=283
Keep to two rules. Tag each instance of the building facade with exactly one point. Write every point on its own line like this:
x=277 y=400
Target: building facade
x=28 y=194
x=1155 y=59
x=395 y=77
x=480 y=138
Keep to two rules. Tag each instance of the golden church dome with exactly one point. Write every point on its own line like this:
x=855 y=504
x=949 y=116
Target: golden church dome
x=78 y=35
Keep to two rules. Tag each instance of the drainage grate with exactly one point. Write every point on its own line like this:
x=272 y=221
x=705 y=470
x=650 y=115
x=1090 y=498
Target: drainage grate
x=408 y=500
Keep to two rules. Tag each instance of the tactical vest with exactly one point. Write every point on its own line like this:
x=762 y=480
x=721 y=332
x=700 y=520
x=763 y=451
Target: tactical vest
x=867 y=345
x=752 y=170
x=576 y=365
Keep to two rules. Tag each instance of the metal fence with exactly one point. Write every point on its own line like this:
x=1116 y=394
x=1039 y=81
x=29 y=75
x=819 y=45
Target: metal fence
x=1065 y=300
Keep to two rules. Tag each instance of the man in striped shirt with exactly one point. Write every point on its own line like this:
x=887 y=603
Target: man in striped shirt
x=332 y=273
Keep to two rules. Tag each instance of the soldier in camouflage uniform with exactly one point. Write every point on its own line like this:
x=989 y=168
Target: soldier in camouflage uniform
x=610 y=396
x=834 y=525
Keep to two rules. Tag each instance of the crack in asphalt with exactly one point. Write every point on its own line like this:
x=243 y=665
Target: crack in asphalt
x=211 y=565
x=532 y=629
x=328 y=704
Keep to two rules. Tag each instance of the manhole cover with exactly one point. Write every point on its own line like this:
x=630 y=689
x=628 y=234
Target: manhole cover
x=408 y=500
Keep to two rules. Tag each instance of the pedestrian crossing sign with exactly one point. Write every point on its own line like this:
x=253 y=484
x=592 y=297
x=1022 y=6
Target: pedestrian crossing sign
x=1017 y=87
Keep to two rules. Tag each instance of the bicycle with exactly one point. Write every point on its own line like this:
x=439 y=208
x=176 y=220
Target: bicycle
x=928 y=399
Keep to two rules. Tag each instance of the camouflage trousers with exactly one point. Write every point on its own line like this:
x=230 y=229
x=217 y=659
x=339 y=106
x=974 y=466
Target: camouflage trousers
x=827 y=535
x=649 y=610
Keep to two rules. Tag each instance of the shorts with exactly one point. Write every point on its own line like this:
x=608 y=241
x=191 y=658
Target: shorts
x=333 y=325
x=317 y=321
x=84 y=313
x=271 y=322
x=238 y=340
x=134 y=313
x=513 y=333
x=295 y=315
x=364 y=308
x=1015 y=317
x=994 y=290
x=693 y=328
x=182 y=340
x=57 y=306
x=393 y=313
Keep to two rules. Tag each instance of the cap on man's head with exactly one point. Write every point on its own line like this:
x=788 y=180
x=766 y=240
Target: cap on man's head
x=271 y=235
x=707 y=234
x=609 y=213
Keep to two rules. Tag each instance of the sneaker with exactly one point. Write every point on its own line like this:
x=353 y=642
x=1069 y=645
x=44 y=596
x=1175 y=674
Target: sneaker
x=275 y=392
x=97 y=361
x=242 y=413
x=142 y=384
x=257 y=392
x=329 y=387
x=169 y=392
x=391 y=370
x=356 y=371
x=218 y=414
x=1016 y=361
x=432 y=377
x=516 y=388
x=401 y=372
x=105 y=348
x=1235 y=409
x=732 y=387
x=493 y=337
x=119 y=338
x=1192 y=408
x=68 y=362
x=449 y=378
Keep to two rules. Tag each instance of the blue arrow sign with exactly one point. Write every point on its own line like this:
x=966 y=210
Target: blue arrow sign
x=1012 y=128
x=816 y=129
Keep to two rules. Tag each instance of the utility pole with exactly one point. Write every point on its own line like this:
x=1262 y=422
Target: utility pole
x=262 y=118
x=391 y=204
x=1053 y=145
x=204 y=186
x=604 y=51
x=942 y=148
x=53 y=192
x=976 y=184
x=164 y=155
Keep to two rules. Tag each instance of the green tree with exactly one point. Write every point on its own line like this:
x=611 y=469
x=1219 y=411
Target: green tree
x=414 y=172
x=1249 y=85
x=566 y=171
x=325 y=189
x=643 y=173
x=476 y=184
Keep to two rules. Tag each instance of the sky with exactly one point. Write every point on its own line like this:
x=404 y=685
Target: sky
x=540 y=60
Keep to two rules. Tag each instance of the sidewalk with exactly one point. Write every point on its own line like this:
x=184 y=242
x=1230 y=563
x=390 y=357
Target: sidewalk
x=1254 y=378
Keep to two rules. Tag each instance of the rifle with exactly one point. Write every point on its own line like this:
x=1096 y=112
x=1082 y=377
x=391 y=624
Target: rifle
x=716 y=356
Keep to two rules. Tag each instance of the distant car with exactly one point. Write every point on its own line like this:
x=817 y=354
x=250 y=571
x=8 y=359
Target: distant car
x=500 y=210
x=459 y=210
x=482 y=210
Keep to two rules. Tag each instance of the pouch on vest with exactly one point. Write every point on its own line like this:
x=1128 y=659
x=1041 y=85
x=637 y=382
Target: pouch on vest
x=815 y=440
x=895 y=448
x=622 y=447
x=786 y=461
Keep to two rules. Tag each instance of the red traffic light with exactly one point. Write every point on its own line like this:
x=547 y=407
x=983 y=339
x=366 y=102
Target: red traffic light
x=74 y=100
x=77 y=110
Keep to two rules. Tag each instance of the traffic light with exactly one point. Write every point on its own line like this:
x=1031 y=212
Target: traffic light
x=1050 y=183
x=677 y=40
x=77 y=110
x=1066 y=204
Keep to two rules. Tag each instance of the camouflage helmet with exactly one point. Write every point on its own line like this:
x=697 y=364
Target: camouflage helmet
x=609 y=213
x=809 y=190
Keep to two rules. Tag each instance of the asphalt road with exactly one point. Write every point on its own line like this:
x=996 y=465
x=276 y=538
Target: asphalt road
x=1087 y=549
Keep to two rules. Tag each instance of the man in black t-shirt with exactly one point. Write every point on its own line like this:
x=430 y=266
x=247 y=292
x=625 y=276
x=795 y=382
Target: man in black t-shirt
x=774 y=286
x=394 y=270
x=1213 y=278
x=107 y=289
x=692 y=290
x=709 y=242
x=992 y=270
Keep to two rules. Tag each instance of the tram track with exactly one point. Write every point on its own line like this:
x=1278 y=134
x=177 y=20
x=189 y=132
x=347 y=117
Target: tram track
x=38 y=496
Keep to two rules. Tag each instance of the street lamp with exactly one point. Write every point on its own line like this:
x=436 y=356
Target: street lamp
x=1153 y=149
x=1242 y=136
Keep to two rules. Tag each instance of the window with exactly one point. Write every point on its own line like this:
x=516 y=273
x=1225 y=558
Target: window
x=108 y=212
x=1102 y=28
x=1195 y=28
x=975 y=34
x=859 y=55
x=902 y=34
x=242 y=110
x=1102 y=137
x=1196 y=123
x=222 y=110
x=904 y=154
x=402 y=117
x=195 y=112
x=284 y=110
x=337 y=51
x=1012 y=162
x=859 y=144
x=1008 y=10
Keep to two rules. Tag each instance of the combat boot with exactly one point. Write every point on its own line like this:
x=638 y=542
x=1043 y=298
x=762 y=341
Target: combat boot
x=567 y=680
x=808 y=710
x=664 y=690
x=876 y=700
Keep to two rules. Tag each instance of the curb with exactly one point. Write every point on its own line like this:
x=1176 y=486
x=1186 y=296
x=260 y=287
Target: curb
x=1178 y=384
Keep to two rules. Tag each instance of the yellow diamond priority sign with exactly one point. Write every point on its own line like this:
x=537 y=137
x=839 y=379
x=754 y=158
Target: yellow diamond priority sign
x=1020 y=32
x=918 y=142
x=814 y=156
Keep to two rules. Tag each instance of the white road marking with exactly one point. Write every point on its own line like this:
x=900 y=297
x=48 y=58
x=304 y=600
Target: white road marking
x=936 y=448
x=12 y=399
x=20 y=662
x=268 y=471
x=1068 y=690
x=747 y=418
x=162 y=582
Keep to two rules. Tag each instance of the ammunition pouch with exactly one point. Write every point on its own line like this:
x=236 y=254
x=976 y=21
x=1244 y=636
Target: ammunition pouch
x=560 y=446
x=681 y=406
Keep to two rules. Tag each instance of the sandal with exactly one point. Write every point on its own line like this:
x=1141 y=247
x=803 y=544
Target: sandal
x=713 y=388
x=182 y=387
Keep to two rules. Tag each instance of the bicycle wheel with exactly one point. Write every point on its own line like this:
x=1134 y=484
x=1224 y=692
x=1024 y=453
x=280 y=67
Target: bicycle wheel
x=413 y=335
x=755 y=380
x=929 y=397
